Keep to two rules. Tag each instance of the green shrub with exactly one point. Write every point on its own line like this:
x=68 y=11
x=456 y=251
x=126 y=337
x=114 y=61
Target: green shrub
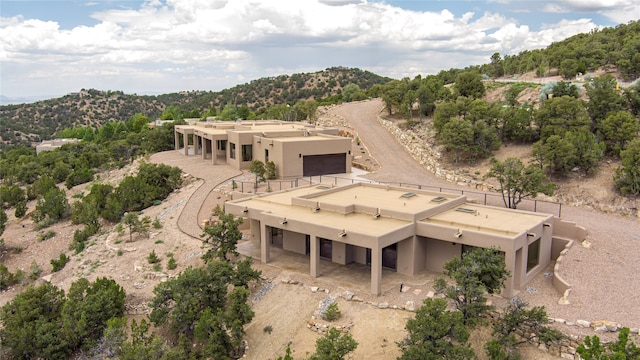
x=156 y=224
x=119 y=252
x=34 y=271
x=153 y=258
x=60 y=263
x=172 y=264
x=268 y=329
x=157 y=267
x=6 y=278
x=332 y=313
x=47 y=235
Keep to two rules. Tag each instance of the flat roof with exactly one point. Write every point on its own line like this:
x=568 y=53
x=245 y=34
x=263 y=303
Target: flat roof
x=356 y=222
x=388 y=198
x=306 y=138
x=448 y=209
x=487 y=219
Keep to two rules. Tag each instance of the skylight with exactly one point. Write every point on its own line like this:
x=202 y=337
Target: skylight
x=466 y=210
x=408 y=195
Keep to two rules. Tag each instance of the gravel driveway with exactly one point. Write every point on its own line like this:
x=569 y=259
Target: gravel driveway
x=605 y=277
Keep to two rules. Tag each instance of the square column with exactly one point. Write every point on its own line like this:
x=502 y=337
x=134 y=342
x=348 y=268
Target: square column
x=510 y=264
x=176 y=140
x=314 y=256
x=265 y=246
x=185 y=139
x=376 y=270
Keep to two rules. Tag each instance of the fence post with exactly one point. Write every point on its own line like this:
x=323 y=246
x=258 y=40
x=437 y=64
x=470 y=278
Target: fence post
x=485 y=199
x=535 y=205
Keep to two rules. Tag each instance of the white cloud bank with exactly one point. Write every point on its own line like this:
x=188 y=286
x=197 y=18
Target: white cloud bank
x=214 y=44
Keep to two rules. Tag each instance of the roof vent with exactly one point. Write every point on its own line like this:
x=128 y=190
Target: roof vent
x=438 y=199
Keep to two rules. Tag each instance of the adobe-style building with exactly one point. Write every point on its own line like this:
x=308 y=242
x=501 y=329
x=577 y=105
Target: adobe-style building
x=297 y=149
x=47 y=145
x=406 y=230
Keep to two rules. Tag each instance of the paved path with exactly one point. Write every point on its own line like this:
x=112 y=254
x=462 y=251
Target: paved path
x=196 y=208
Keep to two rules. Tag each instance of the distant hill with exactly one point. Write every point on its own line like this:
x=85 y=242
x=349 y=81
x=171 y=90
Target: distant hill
x=33 y=122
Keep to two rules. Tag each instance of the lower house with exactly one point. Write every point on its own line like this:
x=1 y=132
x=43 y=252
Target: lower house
x=401 y=229
x=297 y=149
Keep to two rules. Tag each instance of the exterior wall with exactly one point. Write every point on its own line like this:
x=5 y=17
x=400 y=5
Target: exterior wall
x=359 y=255
x=545 y=234
x=254 y=226
x=419 y=254
x=239 y=139
x=406 y=262
x=294 y=242
x=349 y=256
x=339 y=253
x=439 y=252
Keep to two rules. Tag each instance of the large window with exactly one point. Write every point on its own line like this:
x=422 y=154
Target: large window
x=247 y=152
x=533 y=256
x=232 y=150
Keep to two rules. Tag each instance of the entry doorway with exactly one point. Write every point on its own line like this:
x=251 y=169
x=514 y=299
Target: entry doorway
x=389 y=257
x=326 y=248
x=276 y=237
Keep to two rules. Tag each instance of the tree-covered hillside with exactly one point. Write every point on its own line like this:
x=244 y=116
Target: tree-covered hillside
x=614 y=47
x=29 y=123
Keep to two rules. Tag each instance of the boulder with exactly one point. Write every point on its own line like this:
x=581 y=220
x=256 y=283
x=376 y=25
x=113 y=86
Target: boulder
x=583 y=323
x=410 y=306
x=348 y=295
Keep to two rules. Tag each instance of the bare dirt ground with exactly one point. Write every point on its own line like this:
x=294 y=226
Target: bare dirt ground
x=604 y=277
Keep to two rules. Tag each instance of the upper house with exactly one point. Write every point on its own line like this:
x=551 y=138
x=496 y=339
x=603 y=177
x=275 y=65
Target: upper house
x=400 y=229
x=297 y=149
x=48 y=145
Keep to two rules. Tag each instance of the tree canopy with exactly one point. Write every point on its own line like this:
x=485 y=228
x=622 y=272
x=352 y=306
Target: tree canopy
x=436 y=333
x=517 y=181
x=476 y=273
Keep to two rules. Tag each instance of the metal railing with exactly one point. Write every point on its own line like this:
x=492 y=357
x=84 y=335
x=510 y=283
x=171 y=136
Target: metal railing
x=490 y=199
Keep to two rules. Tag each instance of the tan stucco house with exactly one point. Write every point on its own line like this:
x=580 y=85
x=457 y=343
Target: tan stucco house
x=297 y=149
x=401 y=229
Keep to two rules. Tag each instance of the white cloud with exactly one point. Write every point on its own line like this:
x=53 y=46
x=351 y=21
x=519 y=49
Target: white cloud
x=214 y=44
x=619 y=11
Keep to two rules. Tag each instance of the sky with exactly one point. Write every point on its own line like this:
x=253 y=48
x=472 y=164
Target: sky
x=49 y=48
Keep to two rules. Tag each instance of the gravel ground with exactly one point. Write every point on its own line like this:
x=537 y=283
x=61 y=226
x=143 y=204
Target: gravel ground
x=605 y=277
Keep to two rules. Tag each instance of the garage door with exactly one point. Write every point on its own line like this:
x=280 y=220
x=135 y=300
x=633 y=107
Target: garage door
x=313 y=165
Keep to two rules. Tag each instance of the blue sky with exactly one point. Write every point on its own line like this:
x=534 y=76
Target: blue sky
x=51 y=48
